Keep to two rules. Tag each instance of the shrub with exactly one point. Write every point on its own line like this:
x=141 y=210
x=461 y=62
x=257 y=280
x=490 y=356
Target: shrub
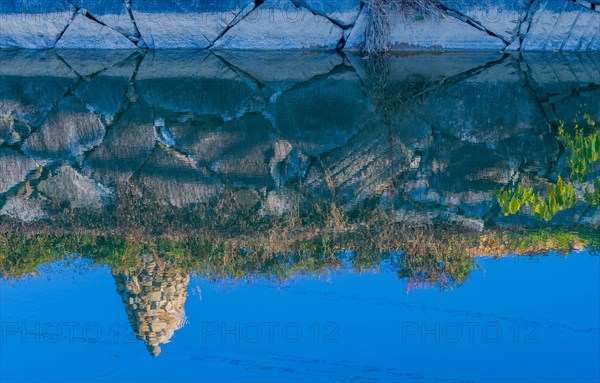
x=377 y=32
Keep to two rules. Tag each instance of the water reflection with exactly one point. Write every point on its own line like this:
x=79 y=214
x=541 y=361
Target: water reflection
x=154 y=296
x=281 y=167
x=152 y=278
x=435 y=256
x=379 y=155
x=582 y=155
x=365 y=310
x=221 y=141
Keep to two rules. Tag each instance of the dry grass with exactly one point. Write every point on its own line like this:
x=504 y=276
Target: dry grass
x=378 y=27
x=438 y=256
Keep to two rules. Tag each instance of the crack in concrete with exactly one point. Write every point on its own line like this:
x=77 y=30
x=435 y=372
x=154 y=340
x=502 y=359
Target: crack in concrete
x=90 y=16
x=534 y=6
x=126 y=104
x=348 y=32
x=515 y=45
x=243 y=74
x=127 y=7
x=524 y=23
x=85 y=13
x=128 y=4
x=469 y=21
x=586 y=4
x=66 y=27
x=342 y=26
x=445 y=81
x=541 y=97
x=237 y=19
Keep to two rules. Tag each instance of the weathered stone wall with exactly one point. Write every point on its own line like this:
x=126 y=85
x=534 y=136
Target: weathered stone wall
x=425 y=134
x=533 y=25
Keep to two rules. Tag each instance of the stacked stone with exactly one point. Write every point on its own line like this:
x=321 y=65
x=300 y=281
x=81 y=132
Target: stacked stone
x=193 y=128
x=154 y=296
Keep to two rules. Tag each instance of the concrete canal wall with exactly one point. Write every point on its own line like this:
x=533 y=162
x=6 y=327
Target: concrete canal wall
x=528 y=25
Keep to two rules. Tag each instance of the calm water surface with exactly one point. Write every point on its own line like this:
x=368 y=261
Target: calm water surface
x=535 y=318
x=256 y=216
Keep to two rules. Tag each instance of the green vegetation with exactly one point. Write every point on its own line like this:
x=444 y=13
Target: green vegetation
x=445 y=263
x=593 y=197
x=433 y=256
x=583 y=151
x=221 y=240
x=541 y=240
x=560 y=196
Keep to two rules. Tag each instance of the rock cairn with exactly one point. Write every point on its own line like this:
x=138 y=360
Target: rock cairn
x=154 y=296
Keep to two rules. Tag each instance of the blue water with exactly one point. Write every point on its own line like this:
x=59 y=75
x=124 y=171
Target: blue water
x=514 y=319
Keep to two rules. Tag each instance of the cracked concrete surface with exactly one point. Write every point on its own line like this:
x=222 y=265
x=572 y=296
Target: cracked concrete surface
x=563 y=25
x=545 y=25
x=85 y=33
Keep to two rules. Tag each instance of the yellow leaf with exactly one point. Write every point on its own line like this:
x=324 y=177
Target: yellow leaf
x=514 y=205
